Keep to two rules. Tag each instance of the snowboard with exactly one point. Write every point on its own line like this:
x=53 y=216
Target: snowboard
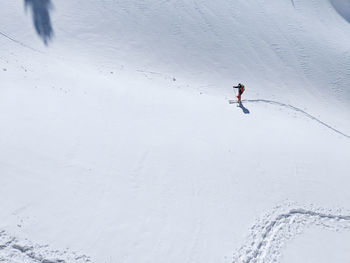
x=233 y=101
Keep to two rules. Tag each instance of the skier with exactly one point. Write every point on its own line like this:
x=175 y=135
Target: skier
x=241 y=89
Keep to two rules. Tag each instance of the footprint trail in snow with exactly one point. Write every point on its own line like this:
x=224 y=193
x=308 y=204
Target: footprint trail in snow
x=13 y=250
x=271 y=233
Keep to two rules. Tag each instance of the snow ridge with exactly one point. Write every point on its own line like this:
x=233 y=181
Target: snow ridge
x=269 y=235
x=12 y=250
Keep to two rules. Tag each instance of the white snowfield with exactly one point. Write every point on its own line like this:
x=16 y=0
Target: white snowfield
x=118 y=144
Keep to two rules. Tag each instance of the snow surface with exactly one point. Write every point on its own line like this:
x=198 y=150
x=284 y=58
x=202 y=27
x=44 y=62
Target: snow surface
x=318 y=246
x=118 y=144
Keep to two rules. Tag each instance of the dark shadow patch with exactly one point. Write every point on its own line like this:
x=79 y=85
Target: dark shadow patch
x=41 y=18
x=293 y=3
x=301 y=111
x=244 y=109
x=342 y=7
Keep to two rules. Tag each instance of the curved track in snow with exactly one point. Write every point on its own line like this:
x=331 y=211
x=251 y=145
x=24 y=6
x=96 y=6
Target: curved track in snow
x=269 y=235
x=267 y=238
x=300 y=111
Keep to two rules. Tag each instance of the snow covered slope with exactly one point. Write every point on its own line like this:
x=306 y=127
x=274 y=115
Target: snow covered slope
x=282 y=45
x=117 y=143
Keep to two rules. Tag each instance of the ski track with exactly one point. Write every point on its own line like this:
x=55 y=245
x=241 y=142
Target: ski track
x=301 y=111
x=14 y=251
x=19 y=42
x=270 y=234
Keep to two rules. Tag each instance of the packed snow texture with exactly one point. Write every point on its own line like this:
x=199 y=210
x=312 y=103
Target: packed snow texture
x=118 y=144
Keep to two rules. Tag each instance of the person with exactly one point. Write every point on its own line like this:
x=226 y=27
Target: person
x=241 y=89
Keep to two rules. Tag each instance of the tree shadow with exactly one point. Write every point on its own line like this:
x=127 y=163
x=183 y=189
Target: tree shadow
x=41 y=18
x=343 y=8
x=244 y=109
x=300 y=111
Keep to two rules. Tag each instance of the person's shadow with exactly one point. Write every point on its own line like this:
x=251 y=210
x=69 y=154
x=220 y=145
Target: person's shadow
x=41 y=18
x=244 y=109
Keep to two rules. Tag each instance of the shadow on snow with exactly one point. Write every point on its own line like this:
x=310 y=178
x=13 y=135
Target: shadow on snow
x=244 y=109
x=41 y=18
x=343 y=8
